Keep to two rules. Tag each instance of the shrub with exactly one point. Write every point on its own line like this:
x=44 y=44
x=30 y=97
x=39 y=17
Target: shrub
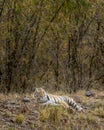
x=19 y=118
x=53 y=114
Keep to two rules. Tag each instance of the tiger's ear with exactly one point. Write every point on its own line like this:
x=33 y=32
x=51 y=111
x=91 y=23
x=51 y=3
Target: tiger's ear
x=40 y=90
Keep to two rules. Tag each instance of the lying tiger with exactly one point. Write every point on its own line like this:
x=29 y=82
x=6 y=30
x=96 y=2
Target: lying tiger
x=46 y=99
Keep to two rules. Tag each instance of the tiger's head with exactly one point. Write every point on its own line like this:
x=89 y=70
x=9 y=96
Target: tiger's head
x=40 y=95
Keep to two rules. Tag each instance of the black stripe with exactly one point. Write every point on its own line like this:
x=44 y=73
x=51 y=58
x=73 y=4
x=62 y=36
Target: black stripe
x=48 y=97
x=55 y=99
x=73 y=104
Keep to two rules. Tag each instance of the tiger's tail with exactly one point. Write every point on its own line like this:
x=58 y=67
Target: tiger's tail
x=76 y=106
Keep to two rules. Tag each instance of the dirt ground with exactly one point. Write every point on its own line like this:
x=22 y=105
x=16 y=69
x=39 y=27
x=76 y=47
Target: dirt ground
x=20 y=113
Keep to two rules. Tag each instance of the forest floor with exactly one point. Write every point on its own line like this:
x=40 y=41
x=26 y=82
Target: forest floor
x=18 y=113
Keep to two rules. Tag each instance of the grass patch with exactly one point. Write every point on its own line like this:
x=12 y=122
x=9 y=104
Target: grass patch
x=11 y=128
x=8 y=114
x=99 y=112
x=19 y=118
x=53 y=114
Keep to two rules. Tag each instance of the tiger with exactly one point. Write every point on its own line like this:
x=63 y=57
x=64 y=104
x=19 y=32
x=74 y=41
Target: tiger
x=45 y=98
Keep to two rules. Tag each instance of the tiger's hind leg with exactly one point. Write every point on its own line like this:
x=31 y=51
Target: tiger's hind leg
x=65 y=105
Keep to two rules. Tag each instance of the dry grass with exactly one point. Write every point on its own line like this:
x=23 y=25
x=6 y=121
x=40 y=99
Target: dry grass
x=16 y=116
x=53 y=114
x=19 y=118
